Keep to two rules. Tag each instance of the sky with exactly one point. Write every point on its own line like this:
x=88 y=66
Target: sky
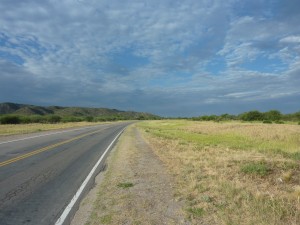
x=170 y=58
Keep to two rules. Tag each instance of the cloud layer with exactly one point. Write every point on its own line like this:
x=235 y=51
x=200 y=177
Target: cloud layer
x=176 y=58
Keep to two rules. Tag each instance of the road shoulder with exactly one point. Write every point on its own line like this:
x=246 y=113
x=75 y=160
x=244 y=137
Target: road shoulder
x=135 y=188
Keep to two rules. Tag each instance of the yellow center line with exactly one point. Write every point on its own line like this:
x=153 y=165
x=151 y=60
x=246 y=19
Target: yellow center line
x=4 y=163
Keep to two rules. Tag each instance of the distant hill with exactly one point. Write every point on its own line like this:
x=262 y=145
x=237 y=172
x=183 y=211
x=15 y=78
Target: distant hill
x=23 y=109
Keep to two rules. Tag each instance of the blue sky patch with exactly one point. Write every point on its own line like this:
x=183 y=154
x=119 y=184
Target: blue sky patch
x=11 y=58
x=265 y=65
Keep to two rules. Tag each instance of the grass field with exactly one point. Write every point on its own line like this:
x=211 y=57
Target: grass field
x=11 y=129
x=231 y=172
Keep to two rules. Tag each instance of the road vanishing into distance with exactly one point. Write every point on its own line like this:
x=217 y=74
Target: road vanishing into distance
x=42 y=175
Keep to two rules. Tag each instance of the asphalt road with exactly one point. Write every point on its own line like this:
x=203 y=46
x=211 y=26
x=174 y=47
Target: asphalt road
x=39 y=176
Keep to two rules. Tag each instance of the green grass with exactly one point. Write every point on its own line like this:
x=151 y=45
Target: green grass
x=232 y=173
x=258 y=168
x=197 y=212
x=106 y=219
x=233 y=140
x=125 y=185
x=206 y=198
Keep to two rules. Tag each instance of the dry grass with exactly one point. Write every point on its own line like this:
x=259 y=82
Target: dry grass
x=136 y=188
x=11 y=129
x=265 y=136
x=232 y=173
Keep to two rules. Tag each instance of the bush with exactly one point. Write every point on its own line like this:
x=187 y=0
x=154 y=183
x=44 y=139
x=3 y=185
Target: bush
x=89 y=119
x=25 y=119
x=252 y=116
x=38 y=119
x=227 y=117
x=272 y=115
x=10 y=119
x=141 y=117
x=208 y=118
x=68 y=119
x=267 y=121
x=279 y=122
x=54 y=119
x=292 y=117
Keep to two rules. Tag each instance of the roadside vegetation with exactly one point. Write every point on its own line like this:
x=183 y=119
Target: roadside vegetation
x=134 y=189
x=22 y=124
x=232 y=172
x=51 y=119
x=11 y=129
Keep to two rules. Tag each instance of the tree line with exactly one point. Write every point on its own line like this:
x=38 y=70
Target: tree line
x=255 y=115
x=272 y=116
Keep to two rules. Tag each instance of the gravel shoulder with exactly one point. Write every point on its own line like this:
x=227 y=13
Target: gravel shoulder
x=135 y=188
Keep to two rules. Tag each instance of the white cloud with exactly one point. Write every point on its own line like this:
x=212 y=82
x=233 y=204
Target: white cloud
x=74 y=44
x=291 y=39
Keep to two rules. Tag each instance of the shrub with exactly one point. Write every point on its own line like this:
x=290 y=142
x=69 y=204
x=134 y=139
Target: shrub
x=252 y=116
x=89 y=119
x=208 y=118
x=267 y=121
x=25 y=119
x=292 y=117
x=227 y=117
x=10 y=119
x=279 y=122
x=39 y=119
x=54 y=119
x=67 y=119
x=272 y=115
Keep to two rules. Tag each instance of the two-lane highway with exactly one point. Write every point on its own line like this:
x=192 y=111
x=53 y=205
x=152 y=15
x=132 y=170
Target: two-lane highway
x=40 y=175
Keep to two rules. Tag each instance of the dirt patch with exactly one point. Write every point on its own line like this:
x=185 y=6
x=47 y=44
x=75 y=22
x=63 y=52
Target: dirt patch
x=136 y=188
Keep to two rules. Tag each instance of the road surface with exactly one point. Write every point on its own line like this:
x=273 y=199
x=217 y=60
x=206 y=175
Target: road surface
x=39 y=175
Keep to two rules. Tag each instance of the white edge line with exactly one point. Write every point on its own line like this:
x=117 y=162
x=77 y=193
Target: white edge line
x=69 y=207
x=42 y=135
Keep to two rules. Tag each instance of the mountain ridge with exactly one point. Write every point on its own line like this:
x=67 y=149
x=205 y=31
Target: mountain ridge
x=28 y=110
